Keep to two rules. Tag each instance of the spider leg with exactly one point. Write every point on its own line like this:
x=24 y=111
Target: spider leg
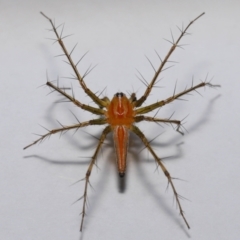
x=88 y=108
x=139 y=133
x=141 y=100
x=66 y=128
x=88 y=173
x=153 y=119
x=159 y=104
x=80 y=78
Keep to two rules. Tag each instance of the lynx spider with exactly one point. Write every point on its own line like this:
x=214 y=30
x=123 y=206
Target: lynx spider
x=120 y=114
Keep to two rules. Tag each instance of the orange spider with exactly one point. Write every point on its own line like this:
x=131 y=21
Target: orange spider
x=120 y=115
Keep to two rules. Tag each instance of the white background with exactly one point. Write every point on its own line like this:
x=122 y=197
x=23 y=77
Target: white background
x=36 y=195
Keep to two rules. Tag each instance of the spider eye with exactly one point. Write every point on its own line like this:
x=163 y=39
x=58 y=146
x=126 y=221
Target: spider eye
x=119 y=94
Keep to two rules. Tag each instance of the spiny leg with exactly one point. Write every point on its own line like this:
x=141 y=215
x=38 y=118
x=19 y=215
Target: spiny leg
x=88 y=108
x=159 y=104
x=153 y=119
x=88 y=173
x=95 y=98
x=141 y=100
x=66 y=128
x=139 y=133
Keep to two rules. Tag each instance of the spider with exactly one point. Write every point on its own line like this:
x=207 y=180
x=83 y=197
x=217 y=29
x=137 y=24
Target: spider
x=120 y=116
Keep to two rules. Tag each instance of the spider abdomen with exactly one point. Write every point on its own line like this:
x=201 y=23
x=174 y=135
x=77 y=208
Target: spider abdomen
x=120 y=137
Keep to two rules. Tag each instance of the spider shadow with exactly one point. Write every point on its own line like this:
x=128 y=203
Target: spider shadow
x=57 y=162
x=148 y=185
x=68 y=135
x=99 y=186
x=206 y=115
x=122 y=182
x=76 y=144
x=173 y=141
